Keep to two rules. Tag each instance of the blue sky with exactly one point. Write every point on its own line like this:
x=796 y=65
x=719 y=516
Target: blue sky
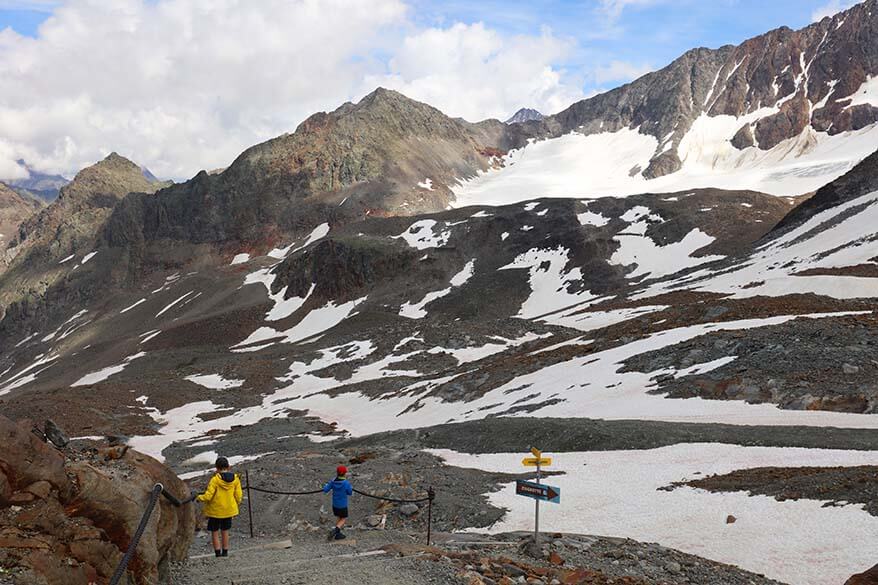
x=645 y=32
x=181 y=85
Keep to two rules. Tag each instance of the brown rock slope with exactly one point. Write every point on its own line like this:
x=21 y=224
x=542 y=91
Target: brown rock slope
x=66 y=517
x=385 y=155
x=14 y=209
x=31 y=262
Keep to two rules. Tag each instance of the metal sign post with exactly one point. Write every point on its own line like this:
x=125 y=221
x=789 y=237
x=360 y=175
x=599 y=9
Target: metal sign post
x=537 y=510
x=536 y=489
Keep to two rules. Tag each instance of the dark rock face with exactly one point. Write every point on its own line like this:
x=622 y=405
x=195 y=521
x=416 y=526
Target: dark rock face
x=340 y=269
x=869 y=577
x=67 y=517
x=859 y=181
x=809 y=76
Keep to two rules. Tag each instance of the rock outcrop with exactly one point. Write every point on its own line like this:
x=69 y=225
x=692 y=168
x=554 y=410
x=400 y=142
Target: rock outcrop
x=14 y=209
x=67 y=517
x=49 y=246
x=869 y=577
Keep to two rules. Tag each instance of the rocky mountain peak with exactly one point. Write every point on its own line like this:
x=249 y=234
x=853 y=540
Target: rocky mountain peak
x=115 y=176
x=524 y=115
x=68 y=227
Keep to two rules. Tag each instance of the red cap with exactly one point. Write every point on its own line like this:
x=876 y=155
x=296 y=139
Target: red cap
x=341 y=470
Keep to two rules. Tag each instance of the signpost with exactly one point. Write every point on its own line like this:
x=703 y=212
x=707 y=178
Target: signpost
x=536 y=490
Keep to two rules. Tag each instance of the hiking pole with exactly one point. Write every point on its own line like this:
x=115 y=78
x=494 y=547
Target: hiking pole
x=249 y=500
x=431 y=495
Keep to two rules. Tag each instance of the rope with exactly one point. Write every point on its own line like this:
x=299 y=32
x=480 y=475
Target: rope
x=397 y=500
x=135 y=539
x=308 y=493
x=173 y=499
x=280 y=493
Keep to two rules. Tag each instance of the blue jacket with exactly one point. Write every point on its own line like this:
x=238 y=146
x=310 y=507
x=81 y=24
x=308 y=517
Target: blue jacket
x=341 y=489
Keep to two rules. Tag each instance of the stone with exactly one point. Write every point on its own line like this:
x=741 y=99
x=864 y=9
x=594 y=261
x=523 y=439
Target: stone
x=512 y=570
x=375 y=520
x=869 y=577
x=731 y=519
x=22 y=542
x=113 y=440
x=19 y=498
x=5 y=488
x=555 y=559
x=673 y=567
x=849 y=369
x=409 y=510
x=55 y=435
x=40 y=489
x=80 y=511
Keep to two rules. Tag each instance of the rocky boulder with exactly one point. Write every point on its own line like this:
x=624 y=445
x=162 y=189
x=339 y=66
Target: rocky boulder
x=66 y=517
x=869 y=577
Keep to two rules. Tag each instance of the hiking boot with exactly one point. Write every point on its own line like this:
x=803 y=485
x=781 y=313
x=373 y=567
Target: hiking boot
x=339 y=535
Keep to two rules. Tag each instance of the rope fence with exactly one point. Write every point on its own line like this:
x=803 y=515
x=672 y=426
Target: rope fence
x=158 y=490
x=431 y=495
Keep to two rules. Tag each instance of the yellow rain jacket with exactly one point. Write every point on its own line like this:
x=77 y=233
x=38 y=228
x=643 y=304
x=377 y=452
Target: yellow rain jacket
x=223 y=495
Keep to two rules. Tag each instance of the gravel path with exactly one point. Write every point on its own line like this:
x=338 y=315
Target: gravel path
x=393 y=557
x=309 y=558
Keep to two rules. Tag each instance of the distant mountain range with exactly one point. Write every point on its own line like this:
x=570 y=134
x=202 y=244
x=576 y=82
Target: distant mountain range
x=42 y=185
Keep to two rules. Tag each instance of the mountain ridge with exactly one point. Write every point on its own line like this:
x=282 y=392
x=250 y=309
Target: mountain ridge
x=772 y=70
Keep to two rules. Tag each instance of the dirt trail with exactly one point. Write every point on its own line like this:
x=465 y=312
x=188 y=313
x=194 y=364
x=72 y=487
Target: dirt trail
x=390 y=557
x=308 y=558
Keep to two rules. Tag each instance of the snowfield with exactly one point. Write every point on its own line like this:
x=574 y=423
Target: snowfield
x=616 y=493
x=836 y=238
x=610 y=163
x=587 y=386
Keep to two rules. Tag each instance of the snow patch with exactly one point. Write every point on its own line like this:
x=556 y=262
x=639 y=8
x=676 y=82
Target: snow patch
x=105 y=373
x=215 y=381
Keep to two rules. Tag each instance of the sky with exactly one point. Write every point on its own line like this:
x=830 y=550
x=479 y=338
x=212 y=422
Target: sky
x=185 y=85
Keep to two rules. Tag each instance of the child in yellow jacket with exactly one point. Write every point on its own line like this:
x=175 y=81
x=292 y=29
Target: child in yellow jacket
x=221 y=500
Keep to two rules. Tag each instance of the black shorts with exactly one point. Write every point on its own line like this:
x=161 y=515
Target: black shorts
x=214 y=524
x=339 y=512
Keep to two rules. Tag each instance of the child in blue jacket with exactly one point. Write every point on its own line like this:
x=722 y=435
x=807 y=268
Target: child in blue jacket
x=341 y=489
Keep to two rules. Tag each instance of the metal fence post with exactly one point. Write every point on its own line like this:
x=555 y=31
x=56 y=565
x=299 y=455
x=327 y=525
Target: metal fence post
x=431 y=495
x=249 y=500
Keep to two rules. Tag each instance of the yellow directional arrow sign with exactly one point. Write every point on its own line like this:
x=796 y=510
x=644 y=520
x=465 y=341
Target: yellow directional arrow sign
x=536 y=461
x=536 y=452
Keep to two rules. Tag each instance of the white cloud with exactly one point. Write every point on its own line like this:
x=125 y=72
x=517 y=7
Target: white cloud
x=620 y=71
x=474 y=72
x=830 y=8
x=35 y=5
x=181 y=85
x=613 y=9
